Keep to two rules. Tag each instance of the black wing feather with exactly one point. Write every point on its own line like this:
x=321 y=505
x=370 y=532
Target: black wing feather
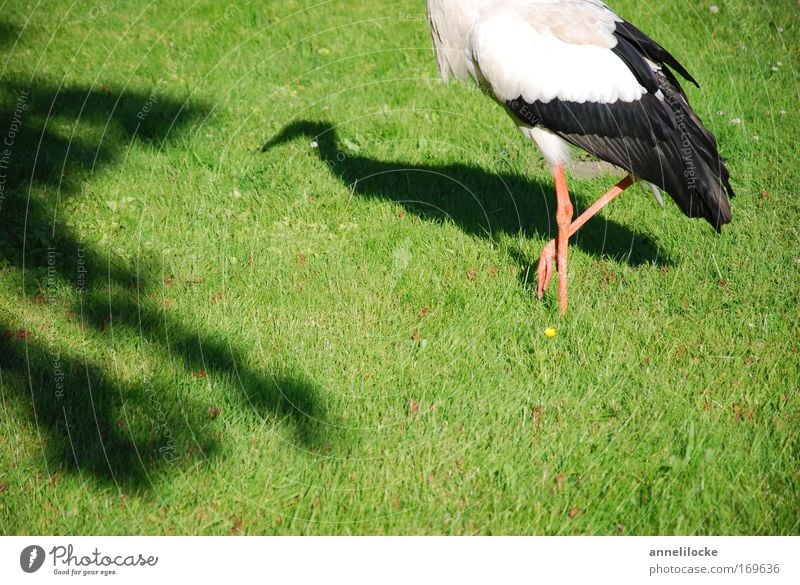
x=657 y=138
x=649 y=48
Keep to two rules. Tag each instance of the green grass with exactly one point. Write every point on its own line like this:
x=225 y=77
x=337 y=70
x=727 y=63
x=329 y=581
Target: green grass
x=199 y=337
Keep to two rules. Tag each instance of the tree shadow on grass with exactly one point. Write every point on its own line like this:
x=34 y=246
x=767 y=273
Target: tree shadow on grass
x=93 y=419
x=480 y=202
x=281 y=395
x=93 y=422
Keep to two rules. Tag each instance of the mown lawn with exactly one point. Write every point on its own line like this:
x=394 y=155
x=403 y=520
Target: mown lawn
x=261 y=273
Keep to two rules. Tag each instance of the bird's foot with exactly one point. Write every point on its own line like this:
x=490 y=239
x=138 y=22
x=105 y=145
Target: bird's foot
x=546 y=262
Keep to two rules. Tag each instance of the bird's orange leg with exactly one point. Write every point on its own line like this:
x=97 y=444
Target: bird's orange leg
x=553 y=248
x=563 y=219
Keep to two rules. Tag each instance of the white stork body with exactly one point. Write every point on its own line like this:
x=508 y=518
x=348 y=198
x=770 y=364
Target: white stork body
x=573 y=72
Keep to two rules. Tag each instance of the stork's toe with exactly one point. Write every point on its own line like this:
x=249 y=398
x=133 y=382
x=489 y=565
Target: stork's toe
x=545 y=273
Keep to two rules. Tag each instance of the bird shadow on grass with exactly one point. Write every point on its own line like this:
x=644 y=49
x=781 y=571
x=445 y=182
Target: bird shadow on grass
x=123 y=423
x=480 y=202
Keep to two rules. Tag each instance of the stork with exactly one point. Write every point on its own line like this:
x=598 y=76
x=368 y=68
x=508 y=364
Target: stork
x=573 y=72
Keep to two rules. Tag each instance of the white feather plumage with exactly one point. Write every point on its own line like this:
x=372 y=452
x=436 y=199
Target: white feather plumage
x=515 y=59
x=539 y=50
